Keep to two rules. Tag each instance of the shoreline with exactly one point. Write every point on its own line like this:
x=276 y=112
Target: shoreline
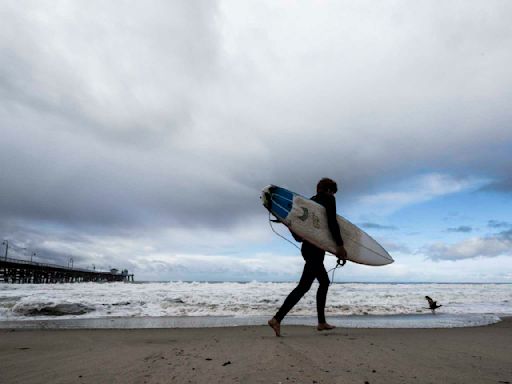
x=398 y=321
x=252 y=354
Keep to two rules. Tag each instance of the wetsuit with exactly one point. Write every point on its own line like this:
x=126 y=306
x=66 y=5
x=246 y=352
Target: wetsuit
x=314 y=267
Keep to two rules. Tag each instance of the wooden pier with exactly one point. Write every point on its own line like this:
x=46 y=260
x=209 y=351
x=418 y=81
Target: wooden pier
x=27 y=272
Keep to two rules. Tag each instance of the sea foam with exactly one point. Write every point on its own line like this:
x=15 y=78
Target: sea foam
x=20 y=302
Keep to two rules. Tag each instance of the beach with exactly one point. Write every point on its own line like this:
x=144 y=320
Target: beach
x=252 y=354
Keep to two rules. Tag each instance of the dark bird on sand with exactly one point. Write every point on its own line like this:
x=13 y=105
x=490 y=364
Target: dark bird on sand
x=432 y=304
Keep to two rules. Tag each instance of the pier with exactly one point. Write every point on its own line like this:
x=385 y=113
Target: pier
x=28 y=272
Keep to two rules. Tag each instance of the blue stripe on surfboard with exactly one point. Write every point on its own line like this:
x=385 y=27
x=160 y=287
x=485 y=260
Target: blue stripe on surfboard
x=282 y=201
x=279 y=210
x=284 y=193
x=285 y=204
x=279 y=213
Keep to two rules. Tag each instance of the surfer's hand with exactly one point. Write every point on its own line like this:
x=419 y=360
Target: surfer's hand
x=341 y=254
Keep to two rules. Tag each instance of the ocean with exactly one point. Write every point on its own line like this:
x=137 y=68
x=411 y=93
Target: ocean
x=189 y=304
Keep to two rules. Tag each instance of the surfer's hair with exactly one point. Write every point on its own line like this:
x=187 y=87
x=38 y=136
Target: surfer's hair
x=326 y=185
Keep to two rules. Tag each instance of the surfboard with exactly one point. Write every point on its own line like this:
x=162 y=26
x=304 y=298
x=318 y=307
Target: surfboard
x=308 y=219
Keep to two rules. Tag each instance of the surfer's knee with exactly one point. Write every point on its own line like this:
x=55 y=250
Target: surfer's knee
x=323 y=286
x=324 y=281
x=303 y=287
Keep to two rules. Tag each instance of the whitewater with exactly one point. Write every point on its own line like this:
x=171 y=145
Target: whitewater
x=467 y=304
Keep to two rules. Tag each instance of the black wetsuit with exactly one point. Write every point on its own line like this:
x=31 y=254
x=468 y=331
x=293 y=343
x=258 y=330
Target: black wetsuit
x=314 y=267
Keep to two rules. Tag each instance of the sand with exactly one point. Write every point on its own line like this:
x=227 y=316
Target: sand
x=254 y=355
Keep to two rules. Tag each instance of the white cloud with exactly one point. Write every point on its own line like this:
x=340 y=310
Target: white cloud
x=259 y=266
x=489 y=246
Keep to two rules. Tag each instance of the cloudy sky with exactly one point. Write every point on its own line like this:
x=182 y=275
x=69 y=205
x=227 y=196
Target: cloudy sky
x=139 y=135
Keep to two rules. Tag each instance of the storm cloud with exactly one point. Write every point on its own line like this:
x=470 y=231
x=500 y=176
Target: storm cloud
x=151 y=123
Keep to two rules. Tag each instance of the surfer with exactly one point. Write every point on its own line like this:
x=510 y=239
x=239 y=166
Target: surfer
x=314 y=258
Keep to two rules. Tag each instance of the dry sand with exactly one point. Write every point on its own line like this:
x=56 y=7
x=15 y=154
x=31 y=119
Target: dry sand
x=255 y=355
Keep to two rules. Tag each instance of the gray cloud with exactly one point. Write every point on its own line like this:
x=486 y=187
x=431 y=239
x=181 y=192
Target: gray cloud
x=378 y=226
x=488 y=246
x=462 y=228
x=97 y=113
x=499 y=224
x=507 y=235
x=396 y=247
x=58 y=245
x=174 y=115
x=223 y=268
x=504 y=186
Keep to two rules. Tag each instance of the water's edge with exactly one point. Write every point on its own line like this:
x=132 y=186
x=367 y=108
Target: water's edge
x=371 y=321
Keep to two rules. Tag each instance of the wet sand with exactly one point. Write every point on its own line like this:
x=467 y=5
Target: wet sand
x=252 y=354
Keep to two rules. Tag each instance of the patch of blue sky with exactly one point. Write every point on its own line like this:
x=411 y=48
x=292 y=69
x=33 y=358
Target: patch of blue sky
x=474 y=209
x=441 y=219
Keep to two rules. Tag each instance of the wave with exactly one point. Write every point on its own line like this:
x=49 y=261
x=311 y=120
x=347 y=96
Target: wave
x=51 y=309
x=92 y=300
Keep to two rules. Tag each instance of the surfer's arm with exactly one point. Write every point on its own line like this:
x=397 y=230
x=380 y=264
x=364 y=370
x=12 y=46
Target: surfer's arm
x=334 y=228
x=296 y=237
x=332 y=222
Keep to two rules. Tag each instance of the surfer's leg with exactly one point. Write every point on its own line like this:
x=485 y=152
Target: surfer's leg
x=307 y=278
x=321 y=296
x=275 y=325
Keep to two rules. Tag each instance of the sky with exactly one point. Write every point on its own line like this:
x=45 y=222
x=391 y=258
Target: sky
x=139 y=135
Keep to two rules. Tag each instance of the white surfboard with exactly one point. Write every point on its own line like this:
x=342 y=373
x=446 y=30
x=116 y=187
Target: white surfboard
x=308 y=219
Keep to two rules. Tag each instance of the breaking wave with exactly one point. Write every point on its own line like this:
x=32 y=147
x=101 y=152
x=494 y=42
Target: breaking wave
x=93 y=300
x=51 y=309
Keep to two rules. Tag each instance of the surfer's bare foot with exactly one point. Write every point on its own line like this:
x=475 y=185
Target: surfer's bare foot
x=275 y=325
x=325 y=327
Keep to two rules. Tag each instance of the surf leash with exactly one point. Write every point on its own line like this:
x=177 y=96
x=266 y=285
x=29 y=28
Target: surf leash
x=338 y=265
x=270 y=221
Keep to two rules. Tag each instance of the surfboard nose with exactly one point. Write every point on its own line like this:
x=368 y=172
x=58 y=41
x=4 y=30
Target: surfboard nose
x=266 y=196
x=389 y=259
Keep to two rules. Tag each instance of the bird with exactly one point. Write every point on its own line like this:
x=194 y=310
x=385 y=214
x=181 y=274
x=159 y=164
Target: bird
x=432 y=304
